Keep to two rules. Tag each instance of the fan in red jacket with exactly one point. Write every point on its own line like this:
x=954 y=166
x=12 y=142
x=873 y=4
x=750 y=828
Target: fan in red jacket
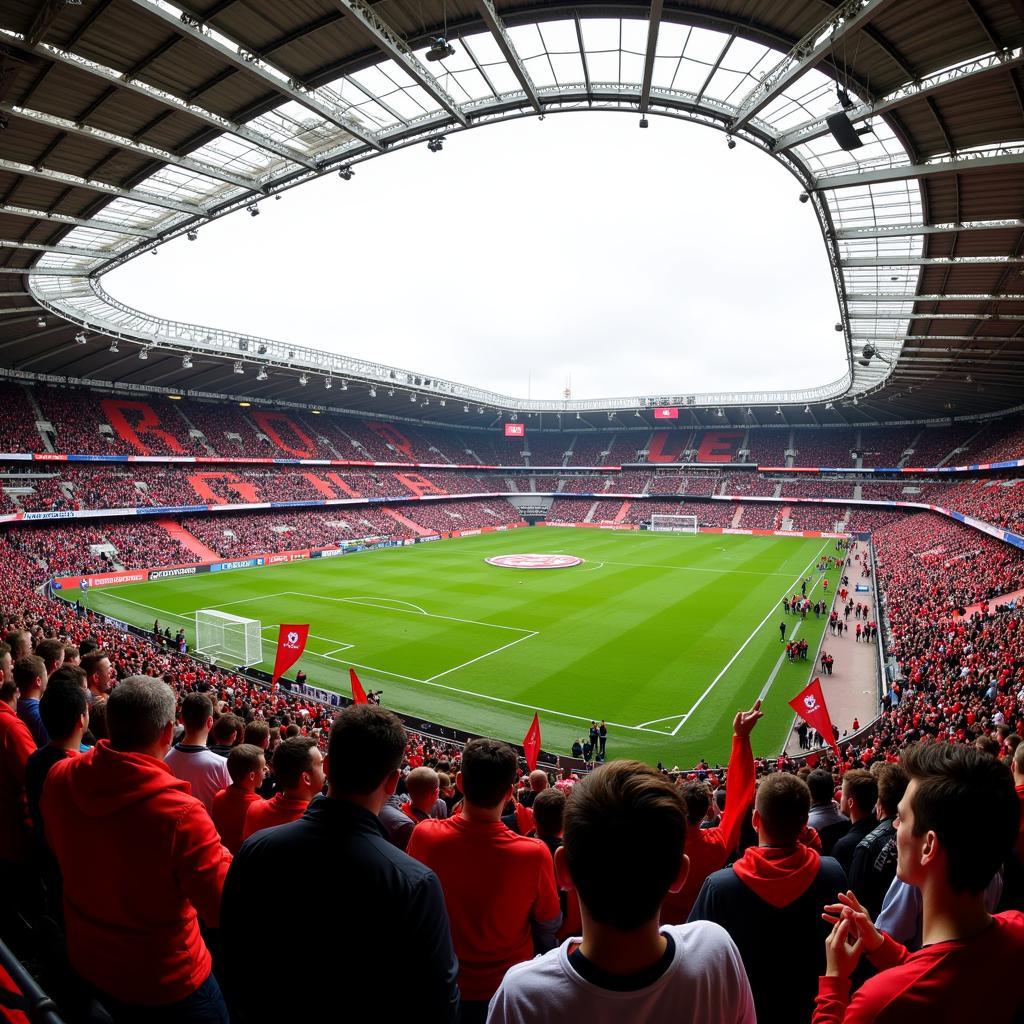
x=709 y=848
x=140 y=858
x=16 y=745
x=952 y=865
x=247 y=767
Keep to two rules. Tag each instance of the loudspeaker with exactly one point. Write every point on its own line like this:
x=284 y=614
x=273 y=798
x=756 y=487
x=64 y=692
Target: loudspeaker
x=843 y=131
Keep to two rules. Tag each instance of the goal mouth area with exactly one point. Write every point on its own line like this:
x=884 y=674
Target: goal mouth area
x=666 y=523
x=228 y=638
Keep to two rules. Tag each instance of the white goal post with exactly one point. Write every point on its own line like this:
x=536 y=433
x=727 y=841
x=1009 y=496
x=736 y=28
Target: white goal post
x=662 y=523
x=229 y=638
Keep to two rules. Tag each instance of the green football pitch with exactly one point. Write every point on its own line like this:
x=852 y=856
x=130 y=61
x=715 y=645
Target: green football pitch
x=665 y=636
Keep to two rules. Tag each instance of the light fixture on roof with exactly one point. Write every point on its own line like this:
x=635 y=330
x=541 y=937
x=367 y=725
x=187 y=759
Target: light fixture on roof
x=828 y=405
x=856 y=400
x=778 y=410
x=113 y=346
x=720 y=412
x=244 y=405
x=186 y=362
x=344 y=385
x=391 y=392
x=807 y=408
x=443 y=403
x=412 y=397
x=261 y=374
x=838 y=328
x=749 y=413
x=440 y=49
x=315 y=412
x=465 y=408
x=480 y=411
x=144 y=353
x=238 y=367
x=435 y=145
x=80 y=338
x=152 y=252
x=192 y=234
x=637 y=414
x=41 y=322
x=373 y=392
x=328 y=383
x=345 y=173
x=303 y=380
x=426 y=401
x=730 y=142
x=254 y=210
x=174 y=398
x=644 y=123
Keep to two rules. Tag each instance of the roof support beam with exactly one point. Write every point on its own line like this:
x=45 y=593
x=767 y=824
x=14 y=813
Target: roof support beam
x=509 y=52
x=653 y=25
x=151 y=152
x=984 y=65
x=927 y=261
x=583 y=57
x=48 y=11
x=175 y=103
x=1004 y=156
x=191 y=27
x=391 y=43
x=19 y=309
x=63 y=218
x=944 y=316
x=113 y=191
x=913 y=230
x=47 y=272
x=67 y=250
x=808 y=53
x=897 y=297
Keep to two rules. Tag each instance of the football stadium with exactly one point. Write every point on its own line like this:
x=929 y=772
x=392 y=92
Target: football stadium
x=651 y=650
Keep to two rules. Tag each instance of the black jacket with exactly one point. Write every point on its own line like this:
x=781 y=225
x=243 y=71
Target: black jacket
x=359 y=905
x=874 y=866
x=783 y=948
x=844 y=847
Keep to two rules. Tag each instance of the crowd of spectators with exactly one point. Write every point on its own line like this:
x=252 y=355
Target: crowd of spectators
x=885 y=446
x=824 y=447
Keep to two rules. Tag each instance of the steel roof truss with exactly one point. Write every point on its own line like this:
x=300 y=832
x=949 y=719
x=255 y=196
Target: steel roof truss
x=63 y=218
x=509 y=51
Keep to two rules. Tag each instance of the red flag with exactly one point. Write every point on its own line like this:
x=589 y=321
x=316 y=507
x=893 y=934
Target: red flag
x=291 y=642
x=358 y=693
x=531 y=743
x=809 y=704
x=664 y=412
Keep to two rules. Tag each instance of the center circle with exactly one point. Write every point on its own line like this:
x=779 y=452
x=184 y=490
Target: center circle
x=534 y=561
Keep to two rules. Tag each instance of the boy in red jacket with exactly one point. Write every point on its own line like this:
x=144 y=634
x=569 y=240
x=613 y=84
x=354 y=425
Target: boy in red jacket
x=952 y=864
x=141 y=863
x=247 y=767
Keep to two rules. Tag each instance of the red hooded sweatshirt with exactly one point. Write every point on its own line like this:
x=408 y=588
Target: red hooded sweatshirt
x=16 y=744
x=139 y=856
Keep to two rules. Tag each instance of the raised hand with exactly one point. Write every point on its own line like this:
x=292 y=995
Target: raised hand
x=744 y=722
x=841 y=958
x=861 y=927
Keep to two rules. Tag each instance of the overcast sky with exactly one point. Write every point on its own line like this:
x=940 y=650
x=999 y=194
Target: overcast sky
x=529 y=253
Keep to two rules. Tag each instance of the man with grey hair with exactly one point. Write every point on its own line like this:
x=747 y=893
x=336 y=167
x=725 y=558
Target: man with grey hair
x=141 y=863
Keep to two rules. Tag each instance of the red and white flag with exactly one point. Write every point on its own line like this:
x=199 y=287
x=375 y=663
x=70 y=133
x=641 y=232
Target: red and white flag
x=291 y=642
x=809 y=704
x=531 y=743
x=358 y=693
x=666 y=412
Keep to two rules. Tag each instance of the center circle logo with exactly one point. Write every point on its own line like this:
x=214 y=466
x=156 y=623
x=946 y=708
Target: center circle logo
x=534 y=561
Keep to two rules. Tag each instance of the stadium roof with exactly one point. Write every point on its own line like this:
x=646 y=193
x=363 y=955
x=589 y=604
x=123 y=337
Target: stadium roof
x=129 y=122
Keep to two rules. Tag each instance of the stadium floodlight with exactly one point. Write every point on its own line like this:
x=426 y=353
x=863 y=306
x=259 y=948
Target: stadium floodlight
x=344 y=385
x=804 y=197
x=144 y=353
x=345 y=173
x=328 y=383
x=644 y=123
x=436 y=145
x=303 y=380
x=749 y=411
x=186 y=362
x=730 y=142
x=113 y=346
x=720 y=412
x=412 y=397
x=41 y=322
x=238 y=367
x=440 y=49
x=465 y=408
x=192 y=234
x=839 y=328
x=261 y=374
x=80 y=338
x=254 y=210
x=373 y=392
x=778 y=410
x=807 y=408
x=828 y=405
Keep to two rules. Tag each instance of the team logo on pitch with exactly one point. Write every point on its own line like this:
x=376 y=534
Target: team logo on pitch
x=534 y=561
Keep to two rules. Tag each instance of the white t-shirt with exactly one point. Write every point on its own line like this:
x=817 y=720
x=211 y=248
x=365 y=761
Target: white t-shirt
x=205 y=770
x=704 y=984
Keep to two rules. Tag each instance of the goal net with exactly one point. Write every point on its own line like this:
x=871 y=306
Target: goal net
x=228 y=638
x=661 y=523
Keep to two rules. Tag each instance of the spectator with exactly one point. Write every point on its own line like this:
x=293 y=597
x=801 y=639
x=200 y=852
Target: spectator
x=298 y=768
x=548 y=812
x=190 y=759
x=830 y=825
x=708 y=849
x=390 y=897
x=498 y=886
x=65 y=713
x=952 y=866
x=20 y=643
x=424 y=788
x=51 y=651
x=16 y=745
x=538 y=783
x=154 y=866
x=225 y=734
x=623 y=849
x=873 y=866
x=859 y=796
x=72 y=656
x=101 y=678
x=247 y=766
x=775 y=889
x=30 y=675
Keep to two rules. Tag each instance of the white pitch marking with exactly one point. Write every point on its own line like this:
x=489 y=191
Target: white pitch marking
x=694 y=568
x=772 y=611
x=383 y=602
x=481 y=657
